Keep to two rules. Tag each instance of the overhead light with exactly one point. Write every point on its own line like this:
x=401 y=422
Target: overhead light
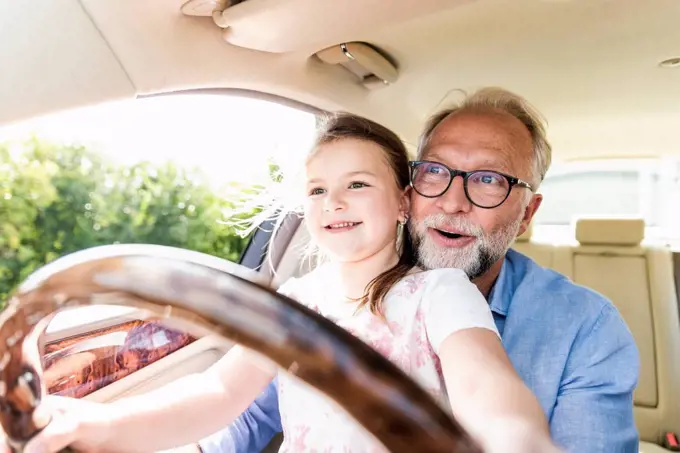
x=207 y=8
x=671 y=63
x=370 y=66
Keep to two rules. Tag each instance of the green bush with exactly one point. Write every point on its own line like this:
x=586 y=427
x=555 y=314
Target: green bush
x=55 y=200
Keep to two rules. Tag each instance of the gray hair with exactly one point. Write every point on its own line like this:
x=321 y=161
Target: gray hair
x=493 y=98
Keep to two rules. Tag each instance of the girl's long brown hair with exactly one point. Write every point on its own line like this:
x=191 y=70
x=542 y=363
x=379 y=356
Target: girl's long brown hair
x=345 y=125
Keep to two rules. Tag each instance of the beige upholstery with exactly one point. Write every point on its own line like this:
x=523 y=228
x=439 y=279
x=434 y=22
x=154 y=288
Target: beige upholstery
x=639 y=281
x=646 y=447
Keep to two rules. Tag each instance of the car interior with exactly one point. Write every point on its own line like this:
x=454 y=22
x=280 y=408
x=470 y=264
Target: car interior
x=605 y=74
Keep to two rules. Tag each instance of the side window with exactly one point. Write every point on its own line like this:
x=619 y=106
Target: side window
x=166 y=170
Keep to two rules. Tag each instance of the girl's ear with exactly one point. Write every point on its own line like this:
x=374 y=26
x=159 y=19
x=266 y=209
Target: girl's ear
x=404 y=205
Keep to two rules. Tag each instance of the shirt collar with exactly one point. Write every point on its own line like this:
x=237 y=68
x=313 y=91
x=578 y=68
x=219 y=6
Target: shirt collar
x=502 y=291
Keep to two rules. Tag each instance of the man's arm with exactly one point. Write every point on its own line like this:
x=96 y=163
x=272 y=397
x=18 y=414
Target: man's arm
x=252 y=431
x=594 y=411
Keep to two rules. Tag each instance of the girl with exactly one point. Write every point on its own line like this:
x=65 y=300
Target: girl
x=434 y=324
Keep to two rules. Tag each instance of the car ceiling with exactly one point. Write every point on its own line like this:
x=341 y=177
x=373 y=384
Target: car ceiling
x=592 y=67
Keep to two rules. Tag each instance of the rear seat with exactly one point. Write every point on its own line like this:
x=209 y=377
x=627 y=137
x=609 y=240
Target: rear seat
x=639 y=280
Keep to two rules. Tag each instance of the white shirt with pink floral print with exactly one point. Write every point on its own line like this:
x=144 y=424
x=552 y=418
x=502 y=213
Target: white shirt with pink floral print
x=422 y=310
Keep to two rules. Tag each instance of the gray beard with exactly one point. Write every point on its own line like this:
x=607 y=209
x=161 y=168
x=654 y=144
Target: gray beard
x=475 y=259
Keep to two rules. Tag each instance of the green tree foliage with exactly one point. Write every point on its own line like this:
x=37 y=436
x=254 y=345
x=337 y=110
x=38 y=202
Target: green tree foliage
x=55 y=200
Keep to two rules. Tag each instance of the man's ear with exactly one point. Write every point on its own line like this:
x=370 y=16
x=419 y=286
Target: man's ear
x=529 y=212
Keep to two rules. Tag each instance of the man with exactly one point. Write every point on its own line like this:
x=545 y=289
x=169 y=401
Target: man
x=569 y=344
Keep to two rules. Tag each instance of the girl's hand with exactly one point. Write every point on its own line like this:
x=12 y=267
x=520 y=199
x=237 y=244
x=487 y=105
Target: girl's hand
x=77 y=423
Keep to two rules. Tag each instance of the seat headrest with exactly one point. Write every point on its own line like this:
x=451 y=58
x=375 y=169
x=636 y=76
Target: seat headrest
x=526 y=236
x=600 y=231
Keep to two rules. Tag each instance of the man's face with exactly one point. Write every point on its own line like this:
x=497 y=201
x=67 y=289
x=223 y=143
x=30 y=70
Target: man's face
x=449 y=230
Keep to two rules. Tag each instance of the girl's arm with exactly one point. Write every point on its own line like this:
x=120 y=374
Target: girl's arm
x=177 y=414
x=488 y=397
x=174 y=415
x=192 y=407
x=486 y=394
x=196 y=406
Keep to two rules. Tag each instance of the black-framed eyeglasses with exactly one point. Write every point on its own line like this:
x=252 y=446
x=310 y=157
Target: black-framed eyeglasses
x=484 y=188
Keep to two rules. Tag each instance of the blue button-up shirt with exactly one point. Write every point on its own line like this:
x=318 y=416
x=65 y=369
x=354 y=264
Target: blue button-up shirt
x=568 y=343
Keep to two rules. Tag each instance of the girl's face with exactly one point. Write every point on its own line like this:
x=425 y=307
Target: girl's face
x=353 y=202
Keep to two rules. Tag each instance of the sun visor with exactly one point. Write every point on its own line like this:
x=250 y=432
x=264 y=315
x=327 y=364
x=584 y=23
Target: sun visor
x=281 y=26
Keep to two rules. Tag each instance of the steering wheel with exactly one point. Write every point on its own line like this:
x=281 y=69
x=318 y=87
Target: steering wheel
x=230 y=300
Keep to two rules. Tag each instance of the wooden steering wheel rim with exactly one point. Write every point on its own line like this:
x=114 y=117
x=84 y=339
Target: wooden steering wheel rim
x=226 y=298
